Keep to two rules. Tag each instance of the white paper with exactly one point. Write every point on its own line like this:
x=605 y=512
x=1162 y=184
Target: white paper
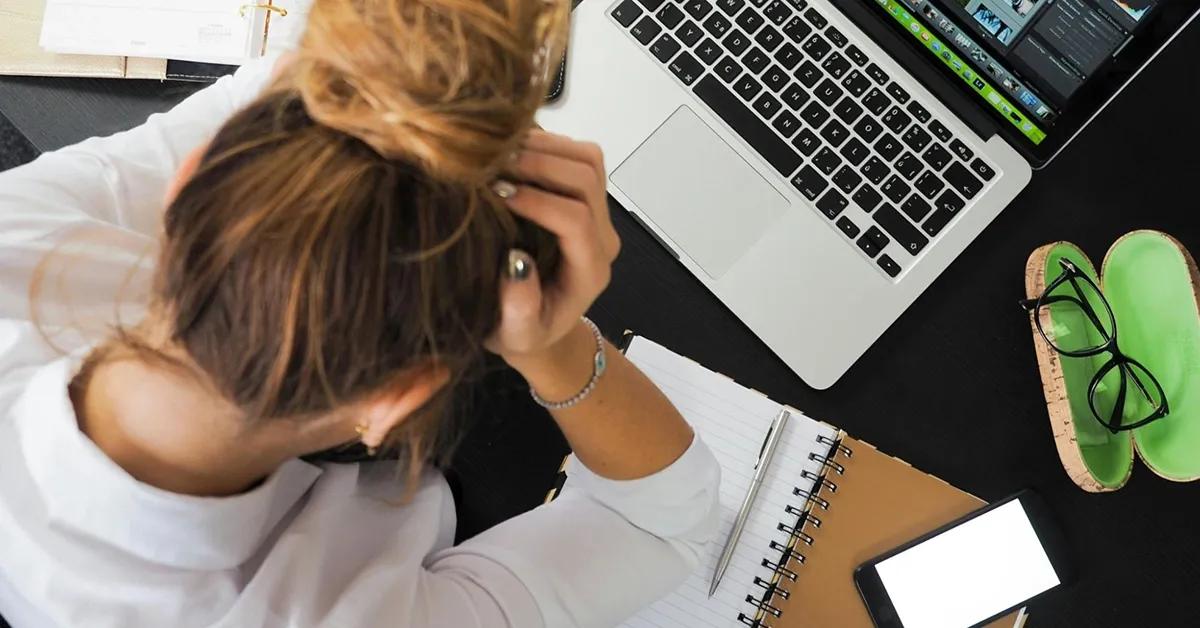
x=733 y=420
x=210 y=31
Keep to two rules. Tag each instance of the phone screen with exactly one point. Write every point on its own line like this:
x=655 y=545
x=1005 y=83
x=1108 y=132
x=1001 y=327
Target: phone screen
x=969 y=573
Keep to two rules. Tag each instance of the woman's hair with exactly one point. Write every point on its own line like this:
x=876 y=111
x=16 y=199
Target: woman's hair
x=341 y=231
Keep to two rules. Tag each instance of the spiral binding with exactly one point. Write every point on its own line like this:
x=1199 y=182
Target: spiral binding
x=788 y=554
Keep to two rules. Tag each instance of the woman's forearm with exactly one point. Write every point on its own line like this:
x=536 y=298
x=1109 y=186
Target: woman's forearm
x=626 y=428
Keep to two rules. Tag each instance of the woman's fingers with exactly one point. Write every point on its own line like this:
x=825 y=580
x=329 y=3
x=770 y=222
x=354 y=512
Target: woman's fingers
x=521 y=306
x=557 y=174
x=563 y=146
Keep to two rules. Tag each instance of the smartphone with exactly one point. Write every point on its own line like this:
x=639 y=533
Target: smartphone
x=969 y=572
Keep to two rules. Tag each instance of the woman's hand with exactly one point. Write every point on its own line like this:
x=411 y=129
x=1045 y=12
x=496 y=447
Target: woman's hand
x=558 y=183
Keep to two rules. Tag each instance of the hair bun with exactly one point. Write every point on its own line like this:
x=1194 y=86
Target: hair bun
x=450 y=85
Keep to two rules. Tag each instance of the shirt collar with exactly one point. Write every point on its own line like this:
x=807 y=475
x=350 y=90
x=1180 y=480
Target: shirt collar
x=87 y=493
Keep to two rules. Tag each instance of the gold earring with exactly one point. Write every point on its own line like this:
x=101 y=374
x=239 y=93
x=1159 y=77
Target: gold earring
x=361 y=429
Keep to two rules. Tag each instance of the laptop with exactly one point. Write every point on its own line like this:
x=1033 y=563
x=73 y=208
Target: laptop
x=818 y=163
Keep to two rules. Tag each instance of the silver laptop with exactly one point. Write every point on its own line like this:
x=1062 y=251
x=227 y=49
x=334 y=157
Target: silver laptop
x=817 y=163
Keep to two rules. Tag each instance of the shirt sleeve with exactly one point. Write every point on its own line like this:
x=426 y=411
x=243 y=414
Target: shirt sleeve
x=592 y=558
x=113 y=187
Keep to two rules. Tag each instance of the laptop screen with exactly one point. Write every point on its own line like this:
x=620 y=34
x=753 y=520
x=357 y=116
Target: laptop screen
x=1038 y=64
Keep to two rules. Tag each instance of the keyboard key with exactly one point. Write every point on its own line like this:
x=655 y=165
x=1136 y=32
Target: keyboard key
x=717 y=25
x=857 y=56
x=944 y=214
x=847 y=179
x=817 y=47
x=929 y=185
x=775 y=78
x=940 y=131
x=814 y=114
x=919 y=112
x=897 y=226
x=856 y=83
x=809 y=182
x=867 y=198
x=848 y=227
x=836 y=37
x=809 y=74
x=949 y=202
x=875 y=170
x=896 y=120
x=689 y=33
x=769 y=39
x=937 y=157
x=909 y=166
x=836 y=65
x=756 y=60
x=671 y=16
x=877 y=237
x=807 y=142
x=961 y=179
x=626 y=13
x=728 y=69
x=832 y=204
x=750 y=21
x=730 y=7
x=651 y=5
x=869 y=247
x=877 y=102
x=646 y=30
x=747 y=125
x=816 y=19
x=835 y=133
x=767 y=106
x=895 y=189
x=848 y=110
x=788 y=56
x=888 y=265
x=888 y=147
x=916 y=208
x=778 y=11
x=665 y=47
x=736 y=42
x=697 y=8
x=828 y=92
x=827 y=160
x=916 y=138
x=877 y=74
x=687 y=68
x=747 y=87
x=795 y=97
x=855 y=151
x=960 y=149
x=898 y=93
x=868 y=129
x=983 y=170
x=787 y=124
x=797 y=29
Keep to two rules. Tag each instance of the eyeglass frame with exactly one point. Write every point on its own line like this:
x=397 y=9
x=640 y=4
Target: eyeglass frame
x=1119 y=360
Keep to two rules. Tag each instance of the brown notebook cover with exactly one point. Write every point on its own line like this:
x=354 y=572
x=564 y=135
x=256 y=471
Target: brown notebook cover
x=880 y=503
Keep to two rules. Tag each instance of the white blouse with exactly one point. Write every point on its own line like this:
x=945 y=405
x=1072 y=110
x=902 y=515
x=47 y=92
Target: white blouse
x=82 y=543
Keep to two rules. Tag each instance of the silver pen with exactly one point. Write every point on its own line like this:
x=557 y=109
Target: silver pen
x=760 y=472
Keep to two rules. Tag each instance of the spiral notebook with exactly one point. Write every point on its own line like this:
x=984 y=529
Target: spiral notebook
x=828 y=503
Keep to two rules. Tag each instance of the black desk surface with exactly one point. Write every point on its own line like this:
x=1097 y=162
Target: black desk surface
x=952 y=387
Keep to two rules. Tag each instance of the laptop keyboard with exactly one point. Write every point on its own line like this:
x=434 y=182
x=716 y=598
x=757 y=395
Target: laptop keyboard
x=818 y=110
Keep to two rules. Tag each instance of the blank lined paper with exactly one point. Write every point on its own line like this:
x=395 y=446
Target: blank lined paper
x=733 y=420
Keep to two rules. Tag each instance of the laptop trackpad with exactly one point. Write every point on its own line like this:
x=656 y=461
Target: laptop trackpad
x=699 y=191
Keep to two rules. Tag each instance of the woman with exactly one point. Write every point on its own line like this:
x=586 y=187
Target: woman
x=331 y=262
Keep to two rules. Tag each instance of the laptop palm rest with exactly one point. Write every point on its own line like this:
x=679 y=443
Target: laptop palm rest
x=699 y=191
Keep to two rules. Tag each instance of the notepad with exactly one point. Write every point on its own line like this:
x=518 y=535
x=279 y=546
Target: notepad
x=209 y=31
x=828 y=504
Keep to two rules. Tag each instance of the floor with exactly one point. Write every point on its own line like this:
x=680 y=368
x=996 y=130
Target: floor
x=14 y=149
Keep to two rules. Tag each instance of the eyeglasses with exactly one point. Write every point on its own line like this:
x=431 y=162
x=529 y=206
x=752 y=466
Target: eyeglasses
x=1081 y=330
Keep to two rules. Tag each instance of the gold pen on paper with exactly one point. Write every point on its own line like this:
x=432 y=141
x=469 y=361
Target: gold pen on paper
x=760 y=473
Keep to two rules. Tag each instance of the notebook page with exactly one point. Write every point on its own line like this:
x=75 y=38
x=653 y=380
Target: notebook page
x=733 y=421
x=212 y=31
